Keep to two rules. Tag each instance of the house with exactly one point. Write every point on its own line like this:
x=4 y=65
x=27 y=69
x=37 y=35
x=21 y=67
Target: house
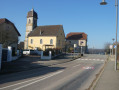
x=8 y=34
x=79 y=39
x=42 y=37
x=21 y=46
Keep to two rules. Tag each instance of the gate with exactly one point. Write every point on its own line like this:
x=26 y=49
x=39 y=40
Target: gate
x=4 y=55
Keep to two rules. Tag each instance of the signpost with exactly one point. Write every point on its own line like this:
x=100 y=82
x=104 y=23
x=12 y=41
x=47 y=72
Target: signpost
x=111 y=47
x=75 y=45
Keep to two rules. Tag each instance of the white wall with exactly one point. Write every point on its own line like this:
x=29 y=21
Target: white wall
x=9 y=55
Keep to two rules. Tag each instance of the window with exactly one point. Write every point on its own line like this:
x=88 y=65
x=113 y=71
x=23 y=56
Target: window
x=59 y=41
x=29 y=21
x=51 y=41
x=41 y=41
x=31 y=41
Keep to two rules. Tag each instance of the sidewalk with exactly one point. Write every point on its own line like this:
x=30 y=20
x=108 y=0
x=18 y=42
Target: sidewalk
x=109 y=79
x=31 y=62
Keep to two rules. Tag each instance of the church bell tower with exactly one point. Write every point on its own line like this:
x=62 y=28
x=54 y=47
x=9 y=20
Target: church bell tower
x=31 y=24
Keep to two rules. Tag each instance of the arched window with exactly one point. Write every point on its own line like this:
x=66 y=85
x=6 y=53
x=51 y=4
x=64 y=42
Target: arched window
x=51 y=41
x=29 y=21
x=31 y=41
x=41 y=41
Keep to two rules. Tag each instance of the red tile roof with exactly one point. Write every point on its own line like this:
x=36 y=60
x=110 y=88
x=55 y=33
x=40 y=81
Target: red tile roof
x=4 y=20
x=76 y=36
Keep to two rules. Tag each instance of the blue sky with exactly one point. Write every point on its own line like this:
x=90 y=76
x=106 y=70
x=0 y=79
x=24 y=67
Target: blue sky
x=99 y=22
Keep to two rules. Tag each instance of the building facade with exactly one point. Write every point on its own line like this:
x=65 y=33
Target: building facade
x=80 y=39
x=43 y=37
x=31 y=24
x=9 y=34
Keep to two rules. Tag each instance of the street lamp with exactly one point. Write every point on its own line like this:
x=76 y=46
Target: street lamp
x=116 y=5
x=103 y=2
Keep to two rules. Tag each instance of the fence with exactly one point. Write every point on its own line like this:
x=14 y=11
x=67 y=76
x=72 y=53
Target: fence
x=32 y=52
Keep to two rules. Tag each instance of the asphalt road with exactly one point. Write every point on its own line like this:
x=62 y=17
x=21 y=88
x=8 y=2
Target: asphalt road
x=74 y=75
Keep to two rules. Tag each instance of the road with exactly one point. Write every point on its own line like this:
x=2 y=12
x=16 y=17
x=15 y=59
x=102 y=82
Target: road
x=74 y=75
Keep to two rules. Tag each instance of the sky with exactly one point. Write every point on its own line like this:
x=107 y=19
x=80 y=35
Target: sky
x=98 y=22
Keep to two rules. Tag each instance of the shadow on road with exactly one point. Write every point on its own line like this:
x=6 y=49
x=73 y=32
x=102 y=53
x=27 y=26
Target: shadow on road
x=15 y=77
x=25 y=68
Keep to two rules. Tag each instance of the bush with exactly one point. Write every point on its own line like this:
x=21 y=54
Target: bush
x=55 y=51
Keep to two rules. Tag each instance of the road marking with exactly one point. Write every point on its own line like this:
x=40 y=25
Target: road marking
x=77 y=65
x=36 y=80
x=88 y=67
x=91 y=59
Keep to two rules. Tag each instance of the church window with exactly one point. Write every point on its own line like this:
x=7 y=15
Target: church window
x=51 y=41
x=41 y=41
x=31 y=41
x=29 y=21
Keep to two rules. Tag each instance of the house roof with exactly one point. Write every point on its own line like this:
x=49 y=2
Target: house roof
x=76 y=36
x=51 y=30
x=4 y=20
x=32 y=13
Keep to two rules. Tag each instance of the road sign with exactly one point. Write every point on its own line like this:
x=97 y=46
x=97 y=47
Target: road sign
x=114 y=46
x=75 y=45
x=111 y=46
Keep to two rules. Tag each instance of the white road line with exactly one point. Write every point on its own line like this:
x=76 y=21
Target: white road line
x=92 y=59
x=40 y=79
x=97 y=59
x=77 y=65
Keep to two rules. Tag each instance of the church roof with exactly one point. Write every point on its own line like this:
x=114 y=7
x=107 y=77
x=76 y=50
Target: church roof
x=76 y=36
x=32 y=13
x=50 y=30
x=4 y=20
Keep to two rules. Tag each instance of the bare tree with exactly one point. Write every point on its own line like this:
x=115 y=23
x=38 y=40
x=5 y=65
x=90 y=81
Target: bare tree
x=106 y=47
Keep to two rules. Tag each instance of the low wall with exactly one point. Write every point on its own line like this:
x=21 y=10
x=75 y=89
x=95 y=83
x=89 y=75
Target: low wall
x=46 y=57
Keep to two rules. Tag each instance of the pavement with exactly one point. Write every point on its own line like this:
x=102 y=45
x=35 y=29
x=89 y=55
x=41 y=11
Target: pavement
x=109 y=80
x=74 y=75
x=31 y=62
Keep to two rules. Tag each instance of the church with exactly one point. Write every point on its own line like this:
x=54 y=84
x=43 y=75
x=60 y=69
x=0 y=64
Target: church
x=43 y=37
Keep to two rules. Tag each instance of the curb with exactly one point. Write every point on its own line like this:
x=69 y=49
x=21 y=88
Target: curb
x=98 y=75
